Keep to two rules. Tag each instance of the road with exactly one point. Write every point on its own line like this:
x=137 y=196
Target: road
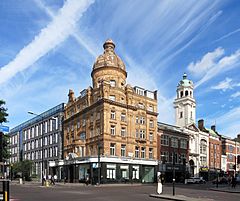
x=29 y=192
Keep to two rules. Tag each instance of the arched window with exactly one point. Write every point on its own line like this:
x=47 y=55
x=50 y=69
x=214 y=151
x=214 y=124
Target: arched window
x=181 y=94
x=191 y=93
x=186 y=93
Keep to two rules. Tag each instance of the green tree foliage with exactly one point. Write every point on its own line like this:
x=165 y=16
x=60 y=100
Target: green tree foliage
x=4 y=141
x=23 y=169
x=3 y=112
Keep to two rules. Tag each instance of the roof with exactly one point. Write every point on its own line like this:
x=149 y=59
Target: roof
x=212 y=132
x=185 y=82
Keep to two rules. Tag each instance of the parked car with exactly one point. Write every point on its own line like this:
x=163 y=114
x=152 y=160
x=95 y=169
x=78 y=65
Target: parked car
x=195 y=180
x=221 y=180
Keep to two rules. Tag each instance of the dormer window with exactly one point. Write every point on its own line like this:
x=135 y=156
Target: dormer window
x=112 y=98
x=112 y=83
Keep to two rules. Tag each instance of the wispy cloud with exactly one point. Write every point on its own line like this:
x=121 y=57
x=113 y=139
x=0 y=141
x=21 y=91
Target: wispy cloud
x=55 y=32
x=213 y=64
x=224 y=85
x=208 y=61
x=235 y=95
x=227 y=35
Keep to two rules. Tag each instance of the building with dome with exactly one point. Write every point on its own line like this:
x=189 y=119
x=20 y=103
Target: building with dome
x=110 y=130
x=185 y=118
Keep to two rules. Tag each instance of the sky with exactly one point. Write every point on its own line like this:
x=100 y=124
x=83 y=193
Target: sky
x=49 y=46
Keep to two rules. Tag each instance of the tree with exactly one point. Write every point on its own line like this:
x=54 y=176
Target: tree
x=3 y=112
x=22 y=169
x=4 y=152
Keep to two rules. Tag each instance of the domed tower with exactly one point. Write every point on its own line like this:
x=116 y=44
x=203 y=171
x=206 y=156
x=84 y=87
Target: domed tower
x=185 y=104
x=109 y=67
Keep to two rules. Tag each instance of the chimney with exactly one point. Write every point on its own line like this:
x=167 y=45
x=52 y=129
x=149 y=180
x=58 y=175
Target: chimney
x=213 y=127
x=71 y=96
x=201 y=124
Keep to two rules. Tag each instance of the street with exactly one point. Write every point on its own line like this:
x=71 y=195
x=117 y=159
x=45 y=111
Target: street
x=34 y=192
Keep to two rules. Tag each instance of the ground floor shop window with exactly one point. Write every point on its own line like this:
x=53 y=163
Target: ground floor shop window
x=135 y=172
x=111 y=171
x=124 y=171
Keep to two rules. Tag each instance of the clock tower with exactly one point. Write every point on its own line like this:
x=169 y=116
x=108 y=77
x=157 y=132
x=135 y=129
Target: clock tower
x=185 y=104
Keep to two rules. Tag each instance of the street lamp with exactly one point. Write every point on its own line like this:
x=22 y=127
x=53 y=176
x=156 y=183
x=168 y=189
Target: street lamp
x=32 y=113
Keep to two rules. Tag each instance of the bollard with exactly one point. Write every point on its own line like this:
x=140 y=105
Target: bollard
x=6 y=190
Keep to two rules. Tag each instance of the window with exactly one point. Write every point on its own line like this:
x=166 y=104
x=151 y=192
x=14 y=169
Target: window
x=123 y=132
x=135 y=172
x=150 y=108
x=112 y=149
x=140 y=105
x=203 y=147
x=91 y=118
x=143 y=152
x=112 y=83
x=113 y=114
x=112 y=130
x=139 y=91
x=136 y=152
x=142 y=120
x=203 y=160
x=123 y=150
x=136 y=119
x=164 y=156
x=137 y=134
x=183 y=144
x=150 y=136
x=150 y=153
x=181 y=114
x=164 y=140
x=123 y=117
x=112 y=98
x=142 y=134
x=174 y=142
x=151 y=124
x=111 y=171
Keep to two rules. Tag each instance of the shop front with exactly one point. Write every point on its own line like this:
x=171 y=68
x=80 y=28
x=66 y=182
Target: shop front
x=112 y=170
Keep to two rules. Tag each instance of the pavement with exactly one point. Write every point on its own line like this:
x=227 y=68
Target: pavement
x=177 y=197
x=226 y=189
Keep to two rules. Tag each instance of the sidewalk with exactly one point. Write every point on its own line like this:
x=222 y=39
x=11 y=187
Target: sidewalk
x=227 y=189
x=178 y=197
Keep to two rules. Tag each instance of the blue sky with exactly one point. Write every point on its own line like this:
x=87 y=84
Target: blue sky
x=49 y=46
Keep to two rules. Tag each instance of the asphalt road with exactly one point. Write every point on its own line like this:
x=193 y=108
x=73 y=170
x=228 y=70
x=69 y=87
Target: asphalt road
x=35 y=192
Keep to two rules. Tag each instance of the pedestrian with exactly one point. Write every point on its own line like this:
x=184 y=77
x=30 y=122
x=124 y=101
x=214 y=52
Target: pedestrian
x=233 y=182
x=52 y=180
x=87 y=180
x=55 y=178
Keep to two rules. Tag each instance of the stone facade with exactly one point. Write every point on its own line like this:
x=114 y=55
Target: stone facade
x=110 y=120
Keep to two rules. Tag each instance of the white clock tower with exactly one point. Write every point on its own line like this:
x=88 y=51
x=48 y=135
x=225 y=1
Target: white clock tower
x=185 y=104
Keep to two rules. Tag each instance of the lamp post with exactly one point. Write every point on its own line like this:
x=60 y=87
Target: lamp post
x=173 y=166
x=32 y=113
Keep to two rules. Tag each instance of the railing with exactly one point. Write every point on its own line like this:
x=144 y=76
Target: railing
x=4 y=190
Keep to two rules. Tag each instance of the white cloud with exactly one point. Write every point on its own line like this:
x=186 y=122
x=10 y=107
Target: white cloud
x=208 y=61
x=213 y=64
x=224 y=85
x=62 y=25
x=235 y=95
